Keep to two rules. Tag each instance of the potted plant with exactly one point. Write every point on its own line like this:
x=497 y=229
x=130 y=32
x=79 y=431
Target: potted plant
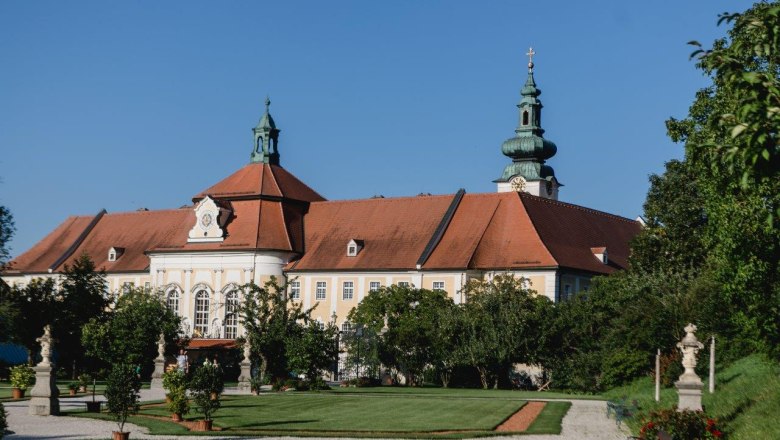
x=84 y=381
x=122 y=388
x=73 y=387
x=22 y=376
x=206 y=386
x=175 y=382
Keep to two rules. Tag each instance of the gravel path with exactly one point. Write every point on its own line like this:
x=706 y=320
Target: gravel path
x=585 y=420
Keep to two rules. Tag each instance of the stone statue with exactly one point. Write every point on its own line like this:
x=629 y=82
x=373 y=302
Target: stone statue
x=689 y=346
x=247 y=350
x=689 y=386
x=46 y=345
x=161 y=346
x=245 y=378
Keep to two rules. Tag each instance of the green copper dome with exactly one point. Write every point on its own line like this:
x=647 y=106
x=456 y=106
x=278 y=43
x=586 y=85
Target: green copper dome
x=528 y=148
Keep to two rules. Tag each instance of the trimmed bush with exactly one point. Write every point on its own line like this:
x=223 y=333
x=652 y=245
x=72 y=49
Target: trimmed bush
x=22 y=376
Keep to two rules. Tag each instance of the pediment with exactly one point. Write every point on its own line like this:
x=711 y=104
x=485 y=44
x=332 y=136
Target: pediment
x=210 y=220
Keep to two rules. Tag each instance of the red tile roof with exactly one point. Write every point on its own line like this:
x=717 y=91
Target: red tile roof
x=202 y=344
x=259 y=179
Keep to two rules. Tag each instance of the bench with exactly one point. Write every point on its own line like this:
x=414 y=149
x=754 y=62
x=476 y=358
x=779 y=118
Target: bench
x=621 y=409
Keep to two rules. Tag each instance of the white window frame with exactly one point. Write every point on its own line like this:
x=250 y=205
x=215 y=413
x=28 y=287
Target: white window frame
x=321 y=290
x=231 y=314
x=202 y=305
x=173 y=299
x=403 y=284
x=438 y=285
x=351 y=250
x=112 y=255
x=347 y=290
x=346 y=327
x=127 y=286
x=295 y=290
x=374 y=285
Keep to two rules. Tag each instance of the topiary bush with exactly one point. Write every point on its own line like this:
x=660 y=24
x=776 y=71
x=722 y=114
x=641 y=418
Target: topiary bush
x=206 y=386
x=680 y=425
x=22 y=376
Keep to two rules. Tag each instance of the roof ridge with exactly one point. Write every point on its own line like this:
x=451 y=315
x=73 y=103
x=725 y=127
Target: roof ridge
x=441 y=228
x=150 y=211
x=578 y=207
x=377 y=199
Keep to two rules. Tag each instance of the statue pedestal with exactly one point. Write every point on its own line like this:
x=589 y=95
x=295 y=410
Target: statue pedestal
x=244 y=384
x=157 y=374
x=44 y=395
x=690 y=395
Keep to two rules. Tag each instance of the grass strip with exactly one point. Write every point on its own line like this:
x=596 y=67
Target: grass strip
x=550 y=419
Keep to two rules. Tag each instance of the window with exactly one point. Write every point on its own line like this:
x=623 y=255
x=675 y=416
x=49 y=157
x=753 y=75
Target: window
x=438 y=285
x=320 y=292
x=231 y=314
x=147 y=285
x=111 y=255
x=295 y=290
x=403 y=284
x=374 y=285
x=202 y=312
x=352 y=251
x=346 y=327
x=319 y=324
x=173 y=301
x=348 y=290
x=566 y=291
x=525 y=117
x=127 y=286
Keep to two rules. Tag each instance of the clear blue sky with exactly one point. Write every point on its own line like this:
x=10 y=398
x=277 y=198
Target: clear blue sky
x=122 y=105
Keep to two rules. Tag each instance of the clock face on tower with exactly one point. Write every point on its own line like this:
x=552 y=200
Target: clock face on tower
x=206 y=219
x=518 y=183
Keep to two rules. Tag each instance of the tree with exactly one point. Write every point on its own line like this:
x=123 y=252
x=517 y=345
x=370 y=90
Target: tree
x=7 y=230
x=311 y=349
x=26 y=310
x=270 y=318
x=406 y=320
x=83 y=296
x=206 y=386
x=130 y=332
x=502 y=324
x=122 y=387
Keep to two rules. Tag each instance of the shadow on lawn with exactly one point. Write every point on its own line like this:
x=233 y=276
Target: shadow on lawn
x=250 y=426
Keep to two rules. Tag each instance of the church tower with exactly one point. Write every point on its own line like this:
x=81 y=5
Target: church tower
x=266 y=138
x=528 y=149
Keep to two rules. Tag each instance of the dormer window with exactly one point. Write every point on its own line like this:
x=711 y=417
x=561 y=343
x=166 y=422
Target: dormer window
x=115 y=252
x=354 y=247
x=601 y=254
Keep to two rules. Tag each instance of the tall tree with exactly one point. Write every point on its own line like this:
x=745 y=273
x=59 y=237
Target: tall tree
x=27 y=310
x=7 y=229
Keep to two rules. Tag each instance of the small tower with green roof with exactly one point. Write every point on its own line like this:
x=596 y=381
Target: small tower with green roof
x=528 y=149
x=266 y=138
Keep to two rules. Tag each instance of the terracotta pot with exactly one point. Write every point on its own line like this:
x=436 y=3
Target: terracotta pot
x=214 y=396
x=121 y=435
x=176 y=417
x=203 y=425
x=72 y=392
x=93 y=407
x=17 y=393
x=82 y=389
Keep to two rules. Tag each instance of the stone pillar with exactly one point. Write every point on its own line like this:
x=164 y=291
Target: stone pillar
x=689 y=386
x=159 y=365
x=244 y=379
x=44 y=395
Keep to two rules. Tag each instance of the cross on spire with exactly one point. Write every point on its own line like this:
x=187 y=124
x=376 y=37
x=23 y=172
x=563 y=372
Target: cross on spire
x=531 y=54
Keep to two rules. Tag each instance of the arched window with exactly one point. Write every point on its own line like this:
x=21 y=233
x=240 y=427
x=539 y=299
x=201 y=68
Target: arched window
x=525 y=117
x=202 y=312
x=231 y=314
x=173 y=300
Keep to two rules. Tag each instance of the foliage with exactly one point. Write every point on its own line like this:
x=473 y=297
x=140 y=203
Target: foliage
x=501 y=324
x=27 y=310
x=271 y=319
x=130 y=332
x=22 y=376
x=3 y=421
x=122 y=387
x=206 y=386
x=406 y=322
x=7 y=229
x=174 y=379
x=748 y=67
x=85 y=380
x=680 y=425
x=82 y=296
x=311 y=349
x=73 y=385
x=178 y=404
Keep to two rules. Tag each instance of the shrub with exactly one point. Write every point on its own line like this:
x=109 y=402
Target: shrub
x=73 y=386
x=85 y=380
x=22 y=376
x=174 y=379
x=3 y=421
x=179 y=403
x=122 y=388
x=207 y=381
x=680 y=425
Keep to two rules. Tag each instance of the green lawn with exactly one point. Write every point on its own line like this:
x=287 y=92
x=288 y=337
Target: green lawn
x=465 y=392
x=746 y=401
x=386 y=412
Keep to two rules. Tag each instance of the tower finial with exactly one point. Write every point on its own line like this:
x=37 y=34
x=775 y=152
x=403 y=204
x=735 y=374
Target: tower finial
x=531 y=54
x=267 y=103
